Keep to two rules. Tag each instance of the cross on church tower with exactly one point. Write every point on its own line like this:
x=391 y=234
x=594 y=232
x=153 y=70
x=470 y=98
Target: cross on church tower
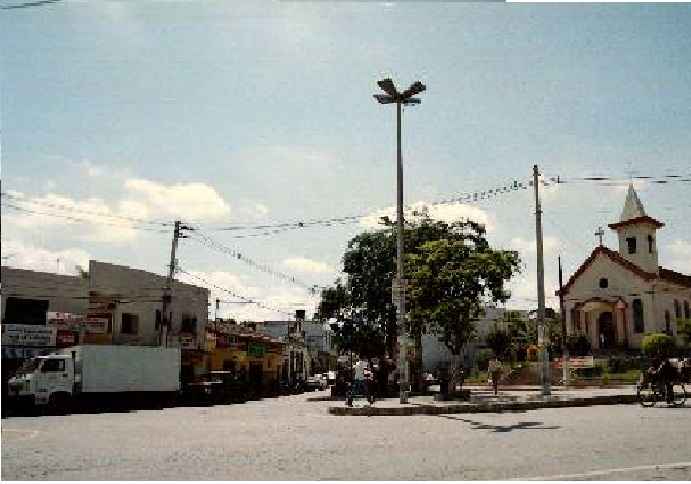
x=600 y=233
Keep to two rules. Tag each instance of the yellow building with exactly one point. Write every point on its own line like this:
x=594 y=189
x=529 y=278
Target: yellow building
x=253 y=357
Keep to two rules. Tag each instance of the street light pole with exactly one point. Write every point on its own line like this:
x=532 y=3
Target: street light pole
x=405 y=98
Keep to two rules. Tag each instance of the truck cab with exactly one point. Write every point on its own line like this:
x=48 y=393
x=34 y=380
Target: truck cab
x=44 y=379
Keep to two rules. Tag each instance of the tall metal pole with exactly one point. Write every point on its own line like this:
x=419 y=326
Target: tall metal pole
x=544 y=354
x=564 y=348
x=167 y=292
x=400 y=314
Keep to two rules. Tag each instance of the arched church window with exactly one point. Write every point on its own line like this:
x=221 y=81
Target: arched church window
x=604 y=283
x=650 y=244
x=687 y=310
x=638 y=323
x=677 y=309
x=668 y=328
x=631 y=243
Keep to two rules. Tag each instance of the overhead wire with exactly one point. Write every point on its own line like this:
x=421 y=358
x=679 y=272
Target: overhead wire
x=235 y=294
x=80 y=220
x=71 y=208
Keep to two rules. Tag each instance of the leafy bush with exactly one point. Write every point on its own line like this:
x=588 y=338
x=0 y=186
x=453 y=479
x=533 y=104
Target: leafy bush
x=593 y=372
x=623 y=365
x=658 y=345
x=578 y=345
x=531 y=353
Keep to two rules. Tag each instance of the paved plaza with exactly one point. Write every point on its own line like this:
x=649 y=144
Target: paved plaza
x=294 y=438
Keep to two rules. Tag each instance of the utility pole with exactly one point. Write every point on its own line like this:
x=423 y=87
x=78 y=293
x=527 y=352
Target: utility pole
x=167 y=290
x=544 y=354
x=564 y=347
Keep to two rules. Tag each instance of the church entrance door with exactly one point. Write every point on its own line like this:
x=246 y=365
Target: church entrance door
x=606 y=331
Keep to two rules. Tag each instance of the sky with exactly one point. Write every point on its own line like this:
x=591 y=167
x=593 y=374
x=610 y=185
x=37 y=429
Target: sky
x=227 y=114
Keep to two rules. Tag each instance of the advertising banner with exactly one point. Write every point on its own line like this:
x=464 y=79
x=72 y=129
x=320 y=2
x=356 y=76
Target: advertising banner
x=28 y=335
x=77 y=322
x=65 y=338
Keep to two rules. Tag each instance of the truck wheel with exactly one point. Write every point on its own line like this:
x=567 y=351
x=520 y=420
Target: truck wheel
x=60 y=403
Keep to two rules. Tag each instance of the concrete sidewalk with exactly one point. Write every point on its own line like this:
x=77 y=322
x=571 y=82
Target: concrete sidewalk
x=482 y=400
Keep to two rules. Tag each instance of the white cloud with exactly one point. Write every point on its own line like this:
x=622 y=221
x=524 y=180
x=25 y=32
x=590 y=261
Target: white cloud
x=23 y=256
x=680 y=256
x=196 y=201
x=549 y=244
x=83 y=217
x=307 y=265
x=447 y=212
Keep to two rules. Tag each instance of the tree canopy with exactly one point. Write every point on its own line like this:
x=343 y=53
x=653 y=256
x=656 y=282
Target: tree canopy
x=452 y=272
x=454 y=278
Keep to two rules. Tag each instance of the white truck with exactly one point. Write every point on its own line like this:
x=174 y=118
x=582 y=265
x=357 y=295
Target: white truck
x=98 y=373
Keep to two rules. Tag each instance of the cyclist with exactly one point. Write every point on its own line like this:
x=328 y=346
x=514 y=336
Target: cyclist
x=664 y=374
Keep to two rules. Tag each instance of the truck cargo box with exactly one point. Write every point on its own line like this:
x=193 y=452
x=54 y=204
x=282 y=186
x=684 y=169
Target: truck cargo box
x=109 y=369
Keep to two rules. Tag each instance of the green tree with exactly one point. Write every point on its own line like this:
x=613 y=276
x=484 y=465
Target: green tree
x=369 y=263
x=658 y=345
x=499 y=341
x=684 y=330
x=452 y=279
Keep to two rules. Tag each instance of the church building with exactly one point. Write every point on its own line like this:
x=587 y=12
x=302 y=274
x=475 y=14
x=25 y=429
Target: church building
x=616 y=297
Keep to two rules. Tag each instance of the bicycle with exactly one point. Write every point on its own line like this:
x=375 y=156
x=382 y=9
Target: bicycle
x=650 y=390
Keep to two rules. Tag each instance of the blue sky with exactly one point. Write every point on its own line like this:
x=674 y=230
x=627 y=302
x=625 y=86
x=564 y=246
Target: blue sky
x=254 y=112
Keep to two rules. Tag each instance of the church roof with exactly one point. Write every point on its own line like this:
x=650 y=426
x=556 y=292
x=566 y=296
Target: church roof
x=633 y=212
x=633 y=208
x=664 y=275
x=675 y=277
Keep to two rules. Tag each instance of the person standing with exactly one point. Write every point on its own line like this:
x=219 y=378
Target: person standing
x=359 y=377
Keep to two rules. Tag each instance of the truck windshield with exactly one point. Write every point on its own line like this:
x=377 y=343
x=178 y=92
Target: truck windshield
x=28 y=366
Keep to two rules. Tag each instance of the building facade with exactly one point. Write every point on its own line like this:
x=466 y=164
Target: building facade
x=109 y=304
x=616 y=297
x=435 y=354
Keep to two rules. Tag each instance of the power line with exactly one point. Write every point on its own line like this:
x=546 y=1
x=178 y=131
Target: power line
x=80 y=220
x=71 y=208
x=208 y=242
x=463 y=197
x=37 y=3
x=235 y=294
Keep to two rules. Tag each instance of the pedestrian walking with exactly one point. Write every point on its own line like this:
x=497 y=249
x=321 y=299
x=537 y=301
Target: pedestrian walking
x=494 y=371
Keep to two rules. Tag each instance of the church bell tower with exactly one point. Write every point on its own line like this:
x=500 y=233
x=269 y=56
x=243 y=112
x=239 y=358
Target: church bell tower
x=637 y=234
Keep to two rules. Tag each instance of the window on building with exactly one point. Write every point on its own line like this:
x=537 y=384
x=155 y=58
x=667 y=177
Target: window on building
x=130 y=323
x=677 y=309
x=587 y=323
x=575 y=320
x=631 y=244
x=604 y=283
x=687 y=310
x=650 y=244
x=638 y=322
x=189 y=323
x=158 y=318
x=53 y=365
x=668 y=326
x=25 y=311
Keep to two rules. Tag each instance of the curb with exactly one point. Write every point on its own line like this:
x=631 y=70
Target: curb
x=480 y=407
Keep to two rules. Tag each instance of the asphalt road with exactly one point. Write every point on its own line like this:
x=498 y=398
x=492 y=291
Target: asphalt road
x=292 y=438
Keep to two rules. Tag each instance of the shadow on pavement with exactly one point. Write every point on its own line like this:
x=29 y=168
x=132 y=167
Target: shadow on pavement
x=503 y=428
